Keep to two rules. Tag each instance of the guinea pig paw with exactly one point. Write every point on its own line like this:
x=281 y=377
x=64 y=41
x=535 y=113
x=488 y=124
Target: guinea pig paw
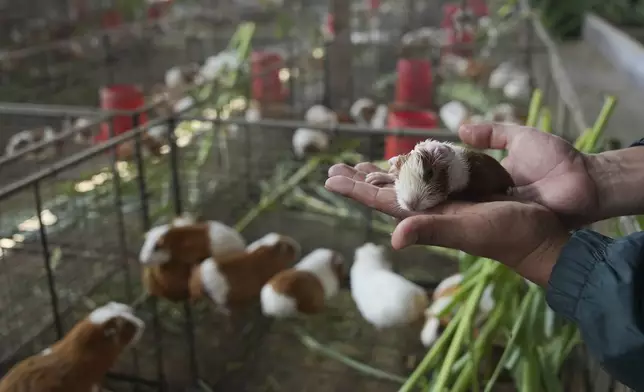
x=379 y=178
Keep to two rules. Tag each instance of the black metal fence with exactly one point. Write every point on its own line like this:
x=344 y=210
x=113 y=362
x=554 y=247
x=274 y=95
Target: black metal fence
x=86 y=230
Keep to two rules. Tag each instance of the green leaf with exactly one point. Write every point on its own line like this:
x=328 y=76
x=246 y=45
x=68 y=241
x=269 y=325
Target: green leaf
x=516 y=329
x=549 y=374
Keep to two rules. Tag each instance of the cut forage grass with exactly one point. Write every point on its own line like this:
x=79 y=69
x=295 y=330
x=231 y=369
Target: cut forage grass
x=600 y=124
x=588 y=140
x=314 y=345
x=432 y=356
x=532 y=295
x=270 y=199
x=535 y=107
x=545 y=120
x=460 y=335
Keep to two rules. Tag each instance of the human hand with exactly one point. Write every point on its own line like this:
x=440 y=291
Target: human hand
x=350 y=182
x=545 y=168
x=523 y=235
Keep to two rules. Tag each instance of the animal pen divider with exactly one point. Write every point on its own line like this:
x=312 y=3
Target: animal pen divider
x=70 y=72
x=87 y=231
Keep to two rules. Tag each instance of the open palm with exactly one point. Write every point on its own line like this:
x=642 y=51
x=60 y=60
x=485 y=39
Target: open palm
x=545 y=168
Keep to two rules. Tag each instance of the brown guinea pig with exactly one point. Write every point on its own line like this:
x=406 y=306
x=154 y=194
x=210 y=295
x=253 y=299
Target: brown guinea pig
x=171 y=252
x=79 y=361
x=237 y=280
x=435 y=171
x=305 y=288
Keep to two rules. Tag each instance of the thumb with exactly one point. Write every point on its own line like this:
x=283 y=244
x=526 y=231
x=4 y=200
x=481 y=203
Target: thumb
x=448 y=231
x=497 y=136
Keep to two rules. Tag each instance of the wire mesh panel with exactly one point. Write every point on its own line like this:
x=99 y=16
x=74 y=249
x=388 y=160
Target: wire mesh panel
x=81 y=252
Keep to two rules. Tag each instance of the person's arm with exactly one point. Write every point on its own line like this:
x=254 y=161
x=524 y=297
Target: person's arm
x=619 y=178
x=598 y=283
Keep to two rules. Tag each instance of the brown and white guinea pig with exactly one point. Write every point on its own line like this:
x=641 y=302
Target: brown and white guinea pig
x=384 y=298
x=27 y=138
x=503 y=113
x=172 y=251
x=441 y=299
x=362 y=111
x=79 y=361
x=181 y=76
x=84 y=131
x=19 y=142
x=305 y=288
x=475 y=69
x=436 y=171
x=308 y=141
x=236 y=281
x=454 y=114
x=189 y=241
x=163 y=99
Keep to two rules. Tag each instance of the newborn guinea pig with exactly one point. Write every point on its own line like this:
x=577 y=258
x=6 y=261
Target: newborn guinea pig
x=435 y=171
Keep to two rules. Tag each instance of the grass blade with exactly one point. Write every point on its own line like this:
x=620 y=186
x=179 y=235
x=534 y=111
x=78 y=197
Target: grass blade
x=432 y=355
x=535 y=107
x=523 y=312
x=314 y=345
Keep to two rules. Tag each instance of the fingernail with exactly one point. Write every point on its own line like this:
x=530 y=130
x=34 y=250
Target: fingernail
x=338 y=184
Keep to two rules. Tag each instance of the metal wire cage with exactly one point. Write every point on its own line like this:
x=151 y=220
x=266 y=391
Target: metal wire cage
x=72 y=227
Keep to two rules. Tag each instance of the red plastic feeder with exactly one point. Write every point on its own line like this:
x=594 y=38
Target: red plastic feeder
x=397 y=145
x=120 y=97
x=330 y=24
x=158 y=9
x=266 y=83
x=414 y=84
x=111 y=18
x=448 y=12
x=479 y=8
x=154 y=11
x=374 y=4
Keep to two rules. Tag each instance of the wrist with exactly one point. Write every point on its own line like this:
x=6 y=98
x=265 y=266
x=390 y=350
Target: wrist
x=618 y=177
x=538 y=266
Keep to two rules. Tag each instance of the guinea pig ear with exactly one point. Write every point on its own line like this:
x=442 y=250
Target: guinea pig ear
x=392 y=161
x=398 y=160
x=160 y=243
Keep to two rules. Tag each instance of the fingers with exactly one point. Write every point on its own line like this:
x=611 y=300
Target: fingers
x=368 y=167
x=381 y=199
x=358 y=173
x=454 y=231
x=344 y=170
x=496 y=136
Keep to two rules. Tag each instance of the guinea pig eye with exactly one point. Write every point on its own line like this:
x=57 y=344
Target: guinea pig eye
x=428 y=174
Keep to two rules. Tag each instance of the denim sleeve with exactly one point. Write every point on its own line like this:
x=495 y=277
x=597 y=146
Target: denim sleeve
x=598 y=284
x=638 y=143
